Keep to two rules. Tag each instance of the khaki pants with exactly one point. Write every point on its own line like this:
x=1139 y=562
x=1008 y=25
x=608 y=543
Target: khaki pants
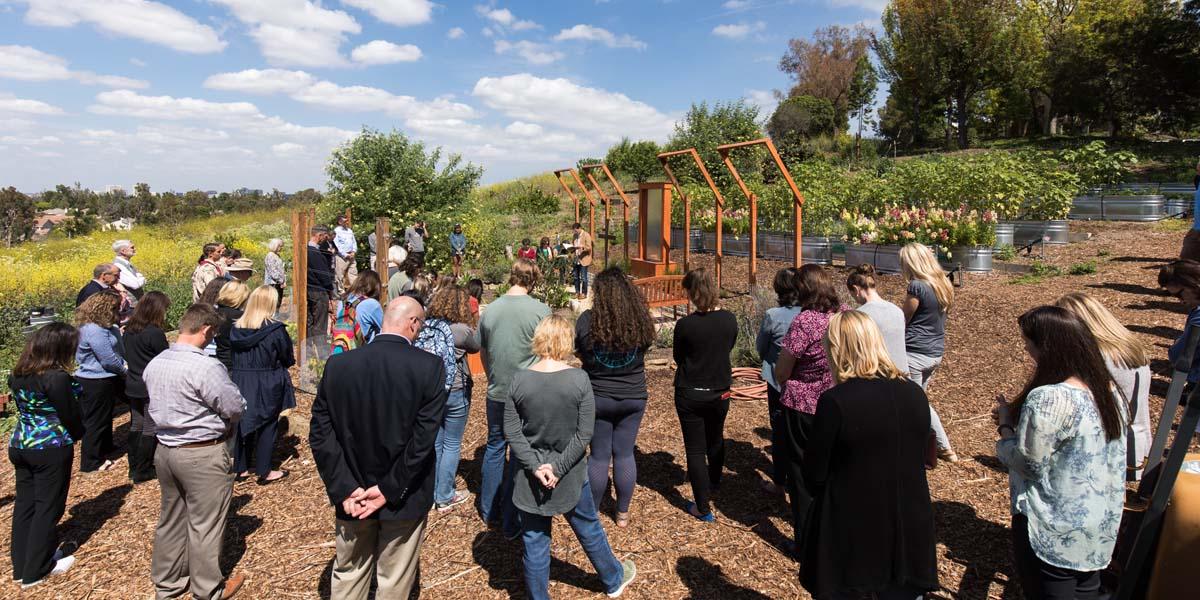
x=393 y=548
x=197 y=485
x=345 y=271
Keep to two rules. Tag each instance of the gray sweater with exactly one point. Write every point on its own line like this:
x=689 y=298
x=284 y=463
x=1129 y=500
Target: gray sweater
x=890 y=320
x=1125 y=379
x=548 y=419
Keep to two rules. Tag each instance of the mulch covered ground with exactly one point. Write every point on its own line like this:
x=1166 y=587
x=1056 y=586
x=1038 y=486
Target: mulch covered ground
x=282 y=535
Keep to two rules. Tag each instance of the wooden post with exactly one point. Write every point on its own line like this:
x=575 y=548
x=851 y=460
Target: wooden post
x=300 y=234
x=718 y=205
x=625 y=214
x=349 y=223
x=604 y=199
x=750 y=197
x=570 y=194
x=383 y=229
x=798 y=198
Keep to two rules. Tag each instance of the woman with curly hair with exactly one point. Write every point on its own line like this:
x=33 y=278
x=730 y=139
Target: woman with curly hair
x=100 y=370
x=451 y=306
x=611 y=339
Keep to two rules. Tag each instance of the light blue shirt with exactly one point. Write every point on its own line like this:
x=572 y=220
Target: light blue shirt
x=343 y=239
x=100 y=353
x=774 y=326
x=1196 y=210
x=458 y=242
x=369 y=315
x=1066 y=477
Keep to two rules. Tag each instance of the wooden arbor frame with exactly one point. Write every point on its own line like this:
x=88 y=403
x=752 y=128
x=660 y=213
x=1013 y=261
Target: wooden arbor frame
x=797 y=206
x=586 y=194
x=719 y=203
x=587 y=171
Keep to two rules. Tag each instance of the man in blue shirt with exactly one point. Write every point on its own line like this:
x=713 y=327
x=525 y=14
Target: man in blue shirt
x=344 y=258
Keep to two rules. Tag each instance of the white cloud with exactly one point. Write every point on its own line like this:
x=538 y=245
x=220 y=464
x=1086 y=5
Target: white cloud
x=764 y=99
x=563 y=103
x=265 y=81
x=738 y=4
x=524 y=129
x=16 y=124
x=138 y=19
x=295 y=32
x=45 y=140
x=737 y=31
x=456 y=33
x=533 y=52
x=875 y=6
x=11 y=104
x=396 y=12
x=597 y=34
x=30 y=64
x=137 y=62
x=286 y=149
x=380 y=52
x=504 y=18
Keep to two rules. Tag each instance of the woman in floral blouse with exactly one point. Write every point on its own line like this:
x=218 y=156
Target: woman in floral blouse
x=274 y=274
x=804 y=370
x=1063 y=440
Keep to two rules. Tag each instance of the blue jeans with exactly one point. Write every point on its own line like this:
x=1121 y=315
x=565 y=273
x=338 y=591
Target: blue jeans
x=495 y=492
x=448 y=445
x=586 y=524
x=580 y=275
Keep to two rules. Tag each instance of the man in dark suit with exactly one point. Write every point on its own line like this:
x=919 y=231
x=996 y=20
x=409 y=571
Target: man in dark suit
x=320 y=282
x=374 y=421
x=104 y=276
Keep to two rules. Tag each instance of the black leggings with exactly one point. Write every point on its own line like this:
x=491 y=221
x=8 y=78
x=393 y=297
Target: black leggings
x=96 y=404
x=1043 y=581
x=43 y=478
x=797 y=428
x=702 y=417
x=617 y=423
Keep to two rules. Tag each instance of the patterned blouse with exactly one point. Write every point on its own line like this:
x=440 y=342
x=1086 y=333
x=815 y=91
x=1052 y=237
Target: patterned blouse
x=437 y=339
x=274 y=274
x=47 y=411
x=1066 y=478
x=810 y=374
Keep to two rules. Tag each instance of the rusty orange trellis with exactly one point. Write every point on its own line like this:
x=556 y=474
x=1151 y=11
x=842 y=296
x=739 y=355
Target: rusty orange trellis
x=575 y=199
x=587 y=170
x=719 y=204
x=753 y=199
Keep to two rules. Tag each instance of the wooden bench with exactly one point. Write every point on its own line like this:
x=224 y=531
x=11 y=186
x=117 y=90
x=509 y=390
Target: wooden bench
x=663 y=291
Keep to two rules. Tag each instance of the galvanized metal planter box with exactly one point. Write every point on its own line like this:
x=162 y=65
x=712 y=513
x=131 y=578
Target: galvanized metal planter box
x=976 y=259
x=1024 y=232
x=1142 y=208
x=885 y=259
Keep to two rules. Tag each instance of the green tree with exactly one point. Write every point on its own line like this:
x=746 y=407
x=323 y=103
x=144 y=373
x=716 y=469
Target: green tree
x=824 y=67
x=380 y=174
x=19 y=215
x=798 y=120
x=634 y=160
x=704 y=128
x=862 y=96
x=143 y=203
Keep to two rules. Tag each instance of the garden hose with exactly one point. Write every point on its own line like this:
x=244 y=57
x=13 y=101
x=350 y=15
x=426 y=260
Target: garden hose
x=748 y=384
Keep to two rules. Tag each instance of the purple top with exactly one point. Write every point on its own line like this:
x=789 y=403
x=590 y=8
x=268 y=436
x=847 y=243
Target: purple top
x=810 y=376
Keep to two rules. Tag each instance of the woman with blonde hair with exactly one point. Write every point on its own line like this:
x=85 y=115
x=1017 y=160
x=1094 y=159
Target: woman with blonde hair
x=100 y=370
x=548 y=418
x=273 y=270
x=926 y=304
x=871 y=528
x=261 y=352
x=230 y=302
x=1128 y=364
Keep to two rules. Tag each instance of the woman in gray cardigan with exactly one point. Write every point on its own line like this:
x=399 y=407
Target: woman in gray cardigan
x=548 y=420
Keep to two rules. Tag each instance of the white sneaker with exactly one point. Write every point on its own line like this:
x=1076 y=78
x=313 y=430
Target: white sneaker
x=61 y=566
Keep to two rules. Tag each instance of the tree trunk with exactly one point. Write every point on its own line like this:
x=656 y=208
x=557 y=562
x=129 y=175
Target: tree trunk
x=949 y=133
x=964 y=115
x=858 y=135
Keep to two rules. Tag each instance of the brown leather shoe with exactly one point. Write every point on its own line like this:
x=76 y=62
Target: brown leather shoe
x=232 y=585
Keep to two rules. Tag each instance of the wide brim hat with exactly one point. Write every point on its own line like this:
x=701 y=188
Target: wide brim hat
x=241 y=265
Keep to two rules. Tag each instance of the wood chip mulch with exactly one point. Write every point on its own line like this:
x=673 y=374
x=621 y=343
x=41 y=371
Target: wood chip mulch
x=281 y=536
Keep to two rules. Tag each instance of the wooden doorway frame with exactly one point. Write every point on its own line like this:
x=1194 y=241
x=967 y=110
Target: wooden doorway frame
x=664 y=158
x=587 y=170
x=586 y=194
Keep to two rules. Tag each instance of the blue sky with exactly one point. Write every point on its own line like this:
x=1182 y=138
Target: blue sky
x=219 y=94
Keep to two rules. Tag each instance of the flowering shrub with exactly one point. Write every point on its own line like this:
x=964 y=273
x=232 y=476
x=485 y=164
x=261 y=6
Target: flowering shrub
x=941 y=228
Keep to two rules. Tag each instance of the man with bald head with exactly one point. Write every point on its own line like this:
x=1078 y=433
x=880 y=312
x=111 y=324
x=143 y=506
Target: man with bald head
x=374 y=421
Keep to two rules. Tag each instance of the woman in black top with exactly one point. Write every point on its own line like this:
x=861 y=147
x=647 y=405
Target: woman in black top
x=42 y=448
x=144 y=339
x=230 y=303
x=871 y=527
x=611 y=340
x=703 y=375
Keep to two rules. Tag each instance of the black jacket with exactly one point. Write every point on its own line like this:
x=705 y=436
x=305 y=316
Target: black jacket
x=224 y=354
x=259 y=361
x=374 y=421
x=320 y=269
x=140 y=349
x=88 y=290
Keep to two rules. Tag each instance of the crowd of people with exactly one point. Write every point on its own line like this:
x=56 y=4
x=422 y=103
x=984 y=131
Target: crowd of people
x=853 y=431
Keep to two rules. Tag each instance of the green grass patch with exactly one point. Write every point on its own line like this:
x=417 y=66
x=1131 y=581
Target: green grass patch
x=1038 y=272
x=1083 y=268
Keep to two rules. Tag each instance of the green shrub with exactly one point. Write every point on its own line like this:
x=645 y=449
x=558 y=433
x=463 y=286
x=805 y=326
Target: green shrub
x=665 y=337
x=1006 y=252
x=1083 y=268
x=496 y=273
